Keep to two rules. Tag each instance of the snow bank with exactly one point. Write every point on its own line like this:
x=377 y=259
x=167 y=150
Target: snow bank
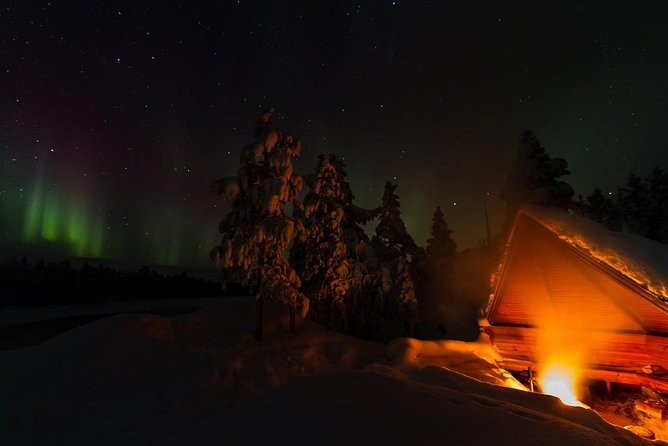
x=642 y=260
x=133 y=379
x=474 y=359
x=203 y=379
x=434 y=407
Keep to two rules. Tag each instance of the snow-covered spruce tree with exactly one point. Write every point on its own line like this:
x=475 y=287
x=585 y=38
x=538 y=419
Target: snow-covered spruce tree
x=326 y=266
x=395 y=249
x=257 y=231
x=534 y=179
x=328 y=256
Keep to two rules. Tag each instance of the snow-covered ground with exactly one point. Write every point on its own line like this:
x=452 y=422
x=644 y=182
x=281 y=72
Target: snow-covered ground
x=203 y=379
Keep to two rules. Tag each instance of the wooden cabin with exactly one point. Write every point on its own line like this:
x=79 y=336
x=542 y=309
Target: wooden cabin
x=606 y=299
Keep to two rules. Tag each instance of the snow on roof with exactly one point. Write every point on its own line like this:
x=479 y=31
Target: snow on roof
x=642 y=260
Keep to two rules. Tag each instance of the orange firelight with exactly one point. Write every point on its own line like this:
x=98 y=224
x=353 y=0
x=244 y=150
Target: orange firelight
x=560 y=381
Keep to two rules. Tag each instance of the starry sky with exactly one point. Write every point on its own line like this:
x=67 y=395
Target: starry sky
x=115 y=117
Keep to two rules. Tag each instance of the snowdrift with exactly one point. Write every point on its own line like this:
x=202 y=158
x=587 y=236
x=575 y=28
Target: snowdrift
x=432 y=407
x=203 y=379
x=133 y=379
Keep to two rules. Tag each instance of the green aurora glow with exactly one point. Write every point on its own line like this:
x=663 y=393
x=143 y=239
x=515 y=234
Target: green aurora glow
x=63 y=221
x=49 y=217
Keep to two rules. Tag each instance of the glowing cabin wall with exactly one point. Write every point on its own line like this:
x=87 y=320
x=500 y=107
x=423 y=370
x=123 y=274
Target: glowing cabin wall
x=551 y=296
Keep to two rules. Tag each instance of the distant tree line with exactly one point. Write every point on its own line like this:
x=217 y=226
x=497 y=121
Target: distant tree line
x=313 y=254
x=23 y=283
x=640 y=207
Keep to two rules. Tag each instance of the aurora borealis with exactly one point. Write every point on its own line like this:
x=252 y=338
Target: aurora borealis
x=116 y=117
x=57 y=221
x=50 y=217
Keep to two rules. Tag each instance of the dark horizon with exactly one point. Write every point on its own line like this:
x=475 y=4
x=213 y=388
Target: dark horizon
x=207 y=272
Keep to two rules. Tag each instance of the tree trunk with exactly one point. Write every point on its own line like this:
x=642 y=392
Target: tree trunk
x=292 y=320
x=259 y=303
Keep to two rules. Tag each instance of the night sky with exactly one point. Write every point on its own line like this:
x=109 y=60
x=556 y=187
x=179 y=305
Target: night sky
x=115 y=117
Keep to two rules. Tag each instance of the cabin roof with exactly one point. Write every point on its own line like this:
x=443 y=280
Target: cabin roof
x=566 y=269
x=642 y=260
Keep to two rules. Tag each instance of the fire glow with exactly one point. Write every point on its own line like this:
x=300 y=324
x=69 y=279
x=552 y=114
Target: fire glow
x=560 y=381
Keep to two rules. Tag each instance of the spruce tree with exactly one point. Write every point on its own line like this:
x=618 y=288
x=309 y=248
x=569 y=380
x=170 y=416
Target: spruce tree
x=636 y=205
x=658 y=192
x=395 y=250
x=441 y=249
x=392 y=241
x=256 y=232
x=603 y=209
x=534 y=179
x=327 y=265
x=438 y=271
x=597 y=206
x=334 y=253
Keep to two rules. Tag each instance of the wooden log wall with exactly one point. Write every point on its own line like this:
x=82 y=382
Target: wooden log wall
x=608 y=349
